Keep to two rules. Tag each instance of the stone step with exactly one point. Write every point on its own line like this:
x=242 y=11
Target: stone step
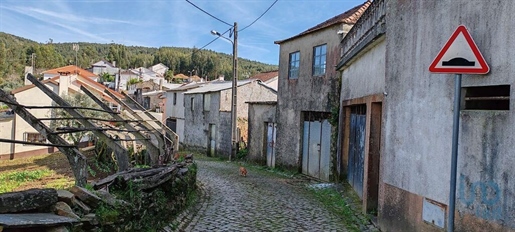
x=32 y=220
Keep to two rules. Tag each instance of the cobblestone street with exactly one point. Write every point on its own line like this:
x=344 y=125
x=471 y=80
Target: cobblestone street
x=261 y=201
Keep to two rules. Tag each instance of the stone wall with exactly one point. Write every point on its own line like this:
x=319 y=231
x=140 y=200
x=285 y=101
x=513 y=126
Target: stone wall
x=123 y=202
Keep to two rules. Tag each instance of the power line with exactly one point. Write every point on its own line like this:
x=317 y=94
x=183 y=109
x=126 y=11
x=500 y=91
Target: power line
x=208 y=13
x=259 y=16
x=194 y=51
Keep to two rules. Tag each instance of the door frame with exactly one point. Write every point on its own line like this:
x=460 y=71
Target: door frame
x=373 y=143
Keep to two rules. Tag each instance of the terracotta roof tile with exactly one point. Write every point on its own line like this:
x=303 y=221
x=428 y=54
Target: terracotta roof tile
x=52 y=80
x=265 y=76
x=71 y=69
x=348 y=17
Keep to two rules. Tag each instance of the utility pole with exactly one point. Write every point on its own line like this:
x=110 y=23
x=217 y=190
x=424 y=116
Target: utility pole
x=33 y=57
x=75 y=47
x=234 y=115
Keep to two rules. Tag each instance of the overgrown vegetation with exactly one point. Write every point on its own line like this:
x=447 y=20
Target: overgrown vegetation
x=78 y=100
x=11 y=180
x=343 y=205
x=16 y=53
x=148 y=211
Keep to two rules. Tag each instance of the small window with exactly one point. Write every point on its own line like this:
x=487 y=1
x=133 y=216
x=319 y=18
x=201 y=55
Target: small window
x=174 y=98
x=319 y=56
x=495 y=97
x=192 y=105
x=207 y=101
x=293 y=67
x=33 y=137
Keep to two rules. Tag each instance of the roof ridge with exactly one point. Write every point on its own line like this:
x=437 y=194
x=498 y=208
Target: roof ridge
x=350 y=16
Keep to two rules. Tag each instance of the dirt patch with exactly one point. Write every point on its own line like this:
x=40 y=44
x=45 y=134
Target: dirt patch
x=61 y=175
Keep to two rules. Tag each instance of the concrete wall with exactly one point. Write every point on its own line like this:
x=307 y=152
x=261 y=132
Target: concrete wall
x=6 y=126
x=196 y=125
x=175 y=111
x=307 y=93
x=259 y=115
x=418 y=117
x=197 y=121
x=253 y=91
x=32 y=97
x=366 y=75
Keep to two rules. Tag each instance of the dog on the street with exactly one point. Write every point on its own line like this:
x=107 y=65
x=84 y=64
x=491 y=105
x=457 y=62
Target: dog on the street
x=243 y=171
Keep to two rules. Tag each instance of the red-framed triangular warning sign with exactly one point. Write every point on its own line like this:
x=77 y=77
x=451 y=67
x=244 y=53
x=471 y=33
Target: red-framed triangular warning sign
x=460 y=55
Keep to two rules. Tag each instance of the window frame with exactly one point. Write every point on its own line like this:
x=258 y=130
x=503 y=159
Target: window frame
x=192 y=105
x=38 y=138
x=296 y=62
x=206 y=102
x=175 y=98
x=319 y=60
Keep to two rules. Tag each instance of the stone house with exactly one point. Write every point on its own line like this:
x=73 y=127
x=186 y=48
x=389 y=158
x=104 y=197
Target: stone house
x=65 y=83
x=270 y=78
x=103 y=66
x=308 y=96
x=173 y=108
x=362 y=68
x=207 y=113
x=262 y=132
x=396 y=117
x=418 y=119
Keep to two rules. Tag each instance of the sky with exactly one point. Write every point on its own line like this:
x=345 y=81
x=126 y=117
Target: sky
x=171 y=23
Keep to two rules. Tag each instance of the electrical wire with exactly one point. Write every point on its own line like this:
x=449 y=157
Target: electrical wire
x=194 y=51
x=208 y=13
x=259 y=16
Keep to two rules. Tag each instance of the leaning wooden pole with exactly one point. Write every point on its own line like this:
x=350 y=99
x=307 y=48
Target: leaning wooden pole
x=121 y=154
x=76 y=159
x=151 y=148
x=175 y=137
x=160 y=141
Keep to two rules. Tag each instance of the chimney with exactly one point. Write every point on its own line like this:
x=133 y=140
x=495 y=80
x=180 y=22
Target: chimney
x=221 y=78
x=64 y=82
x=28 y=69
x=114 y=63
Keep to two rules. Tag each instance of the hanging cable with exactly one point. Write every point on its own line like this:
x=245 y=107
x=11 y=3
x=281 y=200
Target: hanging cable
x=207 y=13
x=259 y=16
x=194 y=51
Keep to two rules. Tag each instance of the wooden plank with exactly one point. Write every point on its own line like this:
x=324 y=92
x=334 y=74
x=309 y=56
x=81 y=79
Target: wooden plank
x=175 y=137
x=28 y=220
x=76 y=159
x=120 y=152
x=160 y=141
x=153 y=150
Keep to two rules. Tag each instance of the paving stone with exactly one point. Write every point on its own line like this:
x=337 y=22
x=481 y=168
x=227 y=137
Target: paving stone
x=259 y=202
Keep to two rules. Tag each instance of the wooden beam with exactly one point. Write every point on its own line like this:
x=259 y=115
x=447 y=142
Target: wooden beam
x=76 y=159
x=120 y=152
x=143 y=122
x=152 y=149
x=175 y=137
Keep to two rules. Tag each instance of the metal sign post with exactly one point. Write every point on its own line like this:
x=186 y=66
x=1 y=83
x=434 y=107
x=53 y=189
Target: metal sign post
x=454 y=158
x=459 y=55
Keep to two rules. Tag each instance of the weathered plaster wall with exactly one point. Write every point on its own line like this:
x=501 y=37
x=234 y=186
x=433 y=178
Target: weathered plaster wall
x=31 y=97
x=175 y=111
x=197 y=121
x=259 y=115
x=419 y=108
x=307 y=93
x=365 y=75
x=6 y=125
x=249 y=92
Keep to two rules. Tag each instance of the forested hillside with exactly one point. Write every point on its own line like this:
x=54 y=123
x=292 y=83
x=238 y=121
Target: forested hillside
x=16 y=53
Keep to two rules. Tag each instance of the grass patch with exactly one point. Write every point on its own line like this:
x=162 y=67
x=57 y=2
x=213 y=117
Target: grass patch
x=338 y=204
x=11 y=180
x=64 y=183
